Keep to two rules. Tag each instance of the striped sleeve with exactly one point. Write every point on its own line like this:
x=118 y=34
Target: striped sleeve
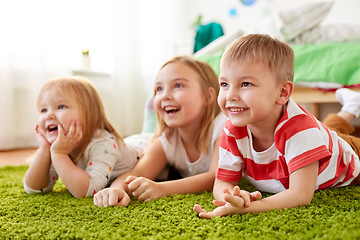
x=230 y=159
x=301 y=142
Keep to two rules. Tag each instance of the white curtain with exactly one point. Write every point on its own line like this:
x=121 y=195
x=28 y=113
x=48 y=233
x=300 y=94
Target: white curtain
x=41 y=39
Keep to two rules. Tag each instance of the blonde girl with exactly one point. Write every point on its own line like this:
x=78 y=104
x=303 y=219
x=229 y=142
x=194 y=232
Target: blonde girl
x=76 y=141
x=186 y=138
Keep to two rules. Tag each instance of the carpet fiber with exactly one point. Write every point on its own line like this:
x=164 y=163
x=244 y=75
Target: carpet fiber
x=333 y=214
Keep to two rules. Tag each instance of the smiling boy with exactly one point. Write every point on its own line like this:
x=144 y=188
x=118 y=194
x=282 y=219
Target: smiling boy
x=277 y=145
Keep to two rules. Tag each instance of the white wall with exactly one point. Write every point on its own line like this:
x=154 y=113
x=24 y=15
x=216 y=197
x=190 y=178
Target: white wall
x=249 y=17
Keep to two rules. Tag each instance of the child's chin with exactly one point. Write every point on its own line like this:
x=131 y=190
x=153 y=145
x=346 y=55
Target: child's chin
x=51 y=140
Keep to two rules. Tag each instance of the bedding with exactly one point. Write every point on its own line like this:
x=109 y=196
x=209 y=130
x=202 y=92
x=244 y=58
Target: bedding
x=326 y=66
x=289 y=23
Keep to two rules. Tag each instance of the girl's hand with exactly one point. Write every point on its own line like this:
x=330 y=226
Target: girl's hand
x=64 y=144
x=44 y=144
x=111 y=197
x=144 y=189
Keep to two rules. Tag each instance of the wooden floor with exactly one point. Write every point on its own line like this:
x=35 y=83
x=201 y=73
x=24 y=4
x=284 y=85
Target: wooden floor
x=15 y=157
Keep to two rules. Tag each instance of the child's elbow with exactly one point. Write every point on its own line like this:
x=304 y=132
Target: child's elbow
x=79 y=195
x=306 y=199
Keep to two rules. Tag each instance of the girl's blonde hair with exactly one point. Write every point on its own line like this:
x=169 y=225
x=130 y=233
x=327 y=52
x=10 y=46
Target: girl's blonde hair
x=275 y=54
x=209 y=79
x=80 y=92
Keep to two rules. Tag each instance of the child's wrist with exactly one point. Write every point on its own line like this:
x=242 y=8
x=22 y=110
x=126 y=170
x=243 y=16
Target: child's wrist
x=44 y=149
x=56 y=154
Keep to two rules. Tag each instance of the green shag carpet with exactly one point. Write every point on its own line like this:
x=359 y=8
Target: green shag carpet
x=333 y=214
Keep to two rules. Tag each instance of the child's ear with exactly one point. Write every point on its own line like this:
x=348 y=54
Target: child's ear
x=285 y=92
x=212 y=95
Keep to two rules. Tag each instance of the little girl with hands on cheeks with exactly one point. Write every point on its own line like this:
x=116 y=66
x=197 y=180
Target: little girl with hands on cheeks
x=77 y=142
x=186 y=138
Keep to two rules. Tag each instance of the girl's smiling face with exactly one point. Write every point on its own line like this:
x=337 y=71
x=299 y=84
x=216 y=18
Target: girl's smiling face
x=179 y=99
x=55 y=110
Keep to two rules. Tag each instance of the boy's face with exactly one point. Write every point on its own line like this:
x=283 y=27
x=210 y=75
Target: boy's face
x=249 y=94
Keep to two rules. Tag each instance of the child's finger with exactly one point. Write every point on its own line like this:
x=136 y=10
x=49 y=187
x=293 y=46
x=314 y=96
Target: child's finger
x=98 y=200
x=218 y=203
x=77 y=135
x=136 y=187
x=202 y=212
x=72 y=128
x=60 y=131
x=124 y=201
x=207 y=215
x=78 y=129
x=105 y=200
x=236 y=191
x=145 y=196
x=255 y=195
x=245 y=195
x=129 y=179
x=234 y=200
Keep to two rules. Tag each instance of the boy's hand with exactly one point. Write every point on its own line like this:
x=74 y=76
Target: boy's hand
x=234 y=203
x=111 y=197
x=144 y=189
x=245 y=195
x=65 y=143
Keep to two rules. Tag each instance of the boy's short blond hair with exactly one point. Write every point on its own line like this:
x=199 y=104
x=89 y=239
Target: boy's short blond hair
x=275 y=54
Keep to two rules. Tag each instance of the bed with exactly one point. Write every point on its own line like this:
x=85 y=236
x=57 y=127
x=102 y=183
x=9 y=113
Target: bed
x=327 y=56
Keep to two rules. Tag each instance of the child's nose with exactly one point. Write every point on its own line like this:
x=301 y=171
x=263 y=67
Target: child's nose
x=50 y=115
x=166 y=94
x=232 y=96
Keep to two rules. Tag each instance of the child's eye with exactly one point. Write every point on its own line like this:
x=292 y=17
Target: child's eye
x=61 y=107
x=224 y=84
x=158 y=89
x=178 y=85
x=246 y=84
x=43 y=110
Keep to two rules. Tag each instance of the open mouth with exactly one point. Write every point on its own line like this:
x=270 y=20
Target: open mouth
x=171 y=109
x=52 y=128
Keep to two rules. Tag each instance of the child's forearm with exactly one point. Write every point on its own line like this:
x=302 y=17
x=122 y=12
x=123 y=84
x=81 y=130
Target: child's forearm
x=197 y=183
x=289 y=198
x=37 y=175
x=74 y=178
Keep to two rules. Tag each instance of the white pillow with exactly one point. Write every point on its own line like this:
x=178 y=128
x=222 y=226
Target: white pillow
x=288 y=24
x=336 y=32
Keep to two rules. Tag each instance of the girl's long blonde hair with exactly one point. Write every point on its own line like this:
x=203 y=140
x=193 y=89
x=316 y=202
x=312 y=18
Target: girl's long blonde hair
x=209 y=79
x=80 y=92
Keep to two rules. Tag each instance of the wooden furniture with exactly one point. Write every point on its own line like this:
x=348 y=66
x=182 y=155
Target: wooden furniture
x=314 y=97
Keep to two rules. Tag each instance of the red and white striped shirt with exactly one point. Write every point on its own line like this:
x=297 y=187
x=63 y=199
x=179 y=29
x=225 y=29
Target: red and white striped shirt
x=300 y=139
